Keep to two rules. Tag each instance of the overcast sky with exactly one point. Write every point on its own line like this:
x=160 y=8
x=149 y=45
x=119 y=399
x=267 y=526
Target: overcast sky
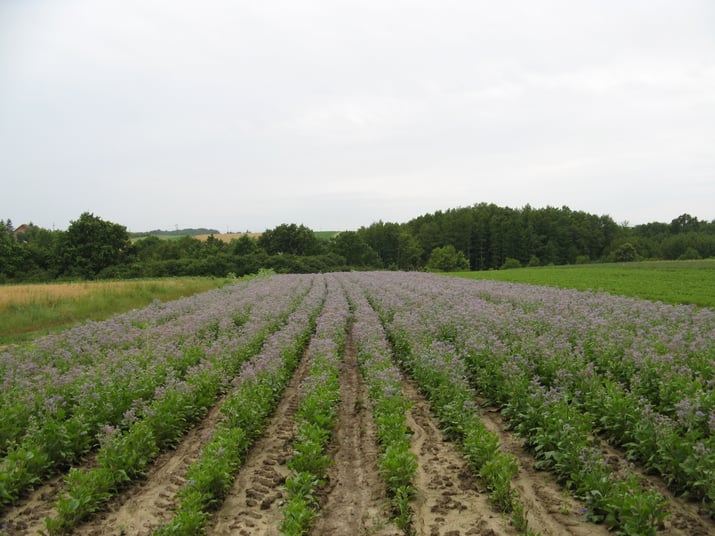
x=244 y=114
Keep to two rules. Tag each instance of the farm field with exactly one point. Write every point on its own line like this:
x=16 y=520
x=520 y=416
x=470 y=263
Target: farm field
x=674 y=282
x=365 y=403
x=29 y=310
x=227 y=237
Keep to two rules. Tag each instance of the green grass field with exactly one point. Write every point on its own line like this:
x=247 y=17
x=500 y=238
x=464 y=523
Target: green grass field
x=27 y=311
x=325 y=235
x=686 y=282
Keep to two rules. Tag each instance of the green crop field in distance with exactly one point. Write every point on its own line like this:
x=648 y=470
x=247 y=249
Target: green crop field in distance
x=326 y=235
x=676 y=282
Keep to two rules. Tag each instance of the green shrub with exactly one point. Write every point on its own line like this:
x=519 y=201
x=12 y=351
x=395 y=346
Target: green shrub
x=690 y=254
x=447 y=259
x=510 y=263
x=626 y=252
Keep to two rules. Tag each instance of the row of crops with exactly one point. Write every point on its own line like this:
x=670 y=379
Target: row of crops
x=570 y=370
x=126 y=398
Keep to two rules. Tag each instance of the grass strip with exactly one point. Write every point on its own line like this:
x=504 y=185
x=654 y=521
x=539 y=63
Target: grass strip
x=675 y=282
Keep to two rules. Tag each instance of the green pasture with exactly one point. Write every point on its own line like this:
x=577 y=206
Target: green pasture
x=676 y=282
x=326 y=235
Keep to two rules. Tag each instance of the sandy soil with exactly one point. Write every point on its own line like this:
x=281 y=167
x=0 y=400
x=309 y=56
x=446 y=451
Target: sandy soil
x=28 y=516
x=138 y=510
x=448 y=501
x=149 y=503
x=550 y=510
x=354 y=501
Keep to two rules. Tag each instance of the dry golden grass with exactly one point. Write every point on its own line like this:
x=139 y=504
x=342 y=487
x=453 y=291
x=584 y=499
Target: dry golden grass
x=51 y=293
x=48 y=293
x=28 y=309
x=227 y=237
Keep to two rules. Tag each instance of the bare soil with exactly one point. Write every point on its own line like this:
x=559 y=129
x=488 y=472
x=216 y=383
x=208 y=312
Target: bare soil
x=551 y=511
x=448 y=501
x=354 y=500
x=150 y=503
x=138 y=510
x=28 y=516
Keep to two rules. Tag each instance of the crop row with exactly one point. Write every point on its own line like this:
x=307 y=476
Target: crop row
x=123 y=455
x=61 y=374
x=397 y=464
x=109 y=397
x=316 y=415
x=245 y=411
x=640 y=373
x=441 y=376
x=532 y=351
x=568 y=369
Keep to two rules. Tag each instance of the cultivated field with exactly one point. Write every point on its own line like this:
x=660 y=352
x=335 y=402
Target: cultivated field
x=227 y=237
x=365 y=403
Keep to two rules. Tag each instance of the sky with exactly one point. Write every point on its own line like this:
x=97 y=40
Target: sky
x=241 y=115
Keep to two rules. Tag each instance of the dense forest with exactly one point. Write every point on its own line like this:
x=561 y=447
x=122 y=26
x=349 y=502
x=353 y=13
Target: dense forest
x=480 y=237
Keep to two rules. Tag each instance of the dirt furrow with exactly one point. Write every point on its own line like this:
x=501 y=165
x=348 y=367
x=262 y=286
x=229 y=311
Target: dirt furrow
x=253 y=506
x=137 y=510
x=27 y=517
x=448 y=501
x=150 y=503
x=551 y=510
x=354 y=500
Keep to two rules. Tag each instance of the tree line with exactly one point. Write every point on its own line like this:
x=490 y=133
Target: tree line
x=479 y=237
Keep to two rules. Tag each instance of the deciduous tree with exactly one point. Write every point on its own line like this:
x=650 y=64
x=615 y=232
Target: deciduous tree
x=92 y=244
x=290 y=238
x=447 y=259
